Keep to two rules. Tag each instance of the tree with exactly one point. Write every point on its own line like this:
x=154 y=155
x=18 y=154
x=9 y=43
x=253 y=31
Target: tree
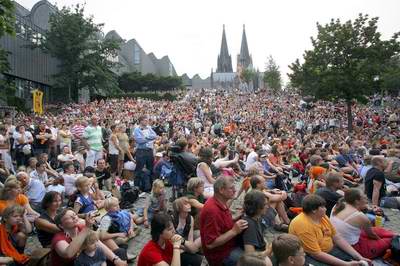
x=7 y=26
x=247 y=75
x=391 y=76
x=84 y=58
x=135 y=81
x=272 y=75
x=344 y=62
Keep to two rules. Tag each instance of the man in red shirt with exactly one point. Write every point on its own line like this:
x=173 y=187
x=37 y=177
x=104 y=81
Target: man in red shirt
x=218 y=231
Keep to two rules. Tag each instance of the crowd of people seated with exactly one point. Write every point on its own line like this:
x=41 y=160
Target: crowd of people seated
x=218 y=171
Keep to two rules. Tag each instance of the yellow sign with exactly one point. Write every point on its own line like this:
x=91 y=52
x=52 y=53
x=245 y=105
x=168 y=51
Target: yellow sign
x=38 y=101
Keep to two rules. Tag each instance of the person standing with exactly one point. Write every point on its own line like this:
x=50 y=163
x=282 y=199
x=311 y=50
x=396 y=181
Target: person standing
x=144 y=137
x=42 y=139
x=92 y=139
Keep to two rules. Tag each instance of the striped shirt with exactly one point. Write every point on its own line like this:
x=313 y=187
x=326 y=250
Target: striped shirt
x=77 y=131
x=93 y=136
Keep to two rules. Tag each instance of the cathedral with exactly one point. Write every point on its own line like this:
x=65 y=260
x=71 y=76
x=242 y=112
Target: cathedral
x=225 y=77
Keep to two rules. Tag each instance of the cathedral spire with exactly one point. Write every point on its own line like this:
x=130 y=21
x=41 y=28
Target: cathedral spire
x=224 y=58
x=244 y=58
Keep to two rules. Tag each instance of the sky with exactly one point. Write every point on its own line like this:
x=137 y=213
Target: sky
x=190 y=31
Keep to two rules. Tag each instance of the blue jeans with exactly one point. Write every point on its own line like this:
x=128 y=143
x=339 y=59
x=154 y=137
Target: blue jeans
x=233 y=257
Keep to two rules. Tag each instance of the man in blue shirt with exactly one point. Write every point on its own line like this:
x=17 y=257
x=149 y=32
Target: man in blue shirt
x=34 y=189
x=144 y=136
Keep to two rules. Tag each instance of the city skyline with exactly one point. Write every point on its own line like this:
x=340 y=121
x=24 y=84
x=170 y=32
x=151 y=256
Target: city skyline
x=190 y=32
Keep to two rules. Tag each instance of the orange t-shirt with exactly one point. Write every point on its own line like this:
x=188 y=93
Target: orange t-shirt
x=21 y=200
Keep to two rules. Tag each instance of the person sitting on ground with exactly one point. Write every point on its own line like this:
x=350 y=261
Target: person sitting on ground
x=84 y=202
x=103 y=174
x=91 y=254
x=375 y=186
x=203 y=171
x=254 y=208
x=14 y=229
x=276 y=199
x=66 y=245
x=69 y=178
x=287 y=250
x=319 y=238
x=156 y=203
x=117 y=226
x=184 y=226
x=218 y=230
x=40 y=174
x=164 y=248
x=254 y=259
x=316 y=173
x=11 y=194
x=331 y=193
x=32 y=162
x=45 y=224
x=65 y=157
x=33 y=189
x=346 y=163
x=355 y=227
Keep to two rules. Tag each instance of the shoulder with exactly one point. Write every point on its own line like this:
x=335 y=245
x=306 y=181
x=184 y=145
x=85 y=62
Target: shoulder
x=22 y=199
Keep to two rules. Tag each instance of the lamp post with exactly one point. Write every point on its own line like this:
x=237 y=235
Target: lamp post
x=377 y=79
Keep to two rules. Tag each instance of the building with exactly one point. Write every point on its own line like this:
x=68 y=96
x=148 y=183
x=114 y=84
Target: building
x=32 y=69
x=132 y=57
x=224 y=77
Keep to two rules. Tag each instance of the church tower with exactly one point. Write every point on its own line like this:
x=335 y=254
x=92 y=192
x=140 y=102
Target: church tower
x=224 y=64
x=244 y=59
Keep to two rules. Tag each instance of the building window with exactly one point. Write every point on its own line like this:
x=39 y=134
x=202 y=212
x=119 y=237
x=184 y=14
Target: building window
x=136 y=54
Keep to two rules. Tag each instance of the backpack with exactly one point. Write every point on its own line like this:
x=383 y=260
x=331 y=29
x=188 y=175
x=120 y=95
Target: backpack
x=129 y=195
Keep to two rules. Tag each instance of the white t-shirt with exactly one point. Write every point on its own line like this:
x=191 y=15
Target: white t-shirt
x=57 y=188
x=69 y=183
x=17 y=135
x=251 y=159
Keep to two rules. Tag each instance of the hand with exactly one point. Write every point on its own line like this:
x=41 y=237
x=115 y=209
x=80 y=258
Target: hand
x=90 y=219
x=123 y=235
x=120 y=262
x=239 y=226
x=176 y=240
x=366 y=260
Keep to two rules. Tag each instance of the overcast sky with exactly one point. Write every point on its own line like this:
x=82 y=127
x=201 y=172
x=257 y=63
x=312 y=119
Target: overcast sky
x=189 y=31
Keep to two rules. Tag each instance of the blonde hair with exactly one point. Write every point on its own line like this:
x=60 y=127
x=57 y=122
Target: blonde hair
x=91 y=238
x=178 y=204
x=194 y=183
x=11 y=183
x=157 y=185
x=110 y=202
x=81 y=180
x=11 y=210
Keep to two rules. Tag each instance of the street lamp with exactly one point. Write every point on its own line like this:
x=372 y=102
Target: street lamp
x=376 y=79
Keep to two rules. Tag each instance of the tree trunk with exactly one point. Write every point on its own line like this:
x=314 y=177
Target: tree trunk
x=349 y=117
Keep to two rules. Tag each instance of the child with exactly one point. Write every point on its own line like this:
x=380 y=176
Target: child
x=84 y=202
x=287 y=250
x=117 y=226
x=91 y=254
x=156 y=202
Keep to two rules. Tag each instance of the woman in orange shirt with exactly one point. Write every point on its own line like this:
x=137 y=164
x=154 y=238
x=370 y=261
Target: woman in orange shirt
x=11 y=195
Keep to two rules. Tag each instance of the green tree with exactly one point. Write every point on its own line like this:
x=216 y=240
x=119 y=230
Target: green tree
x=248 y=75
x=272 y=75
x=7 y=26
x=344 y=62
x=84 y=58
x=391 y=76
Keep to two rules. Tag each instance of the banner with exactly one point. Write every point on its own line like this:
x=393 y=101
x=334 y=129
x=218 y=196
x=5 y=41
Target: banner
x=38 y=101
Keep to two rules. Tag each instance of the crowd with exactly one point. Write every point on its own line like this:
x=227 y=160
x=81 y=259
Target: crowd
x=237 y=164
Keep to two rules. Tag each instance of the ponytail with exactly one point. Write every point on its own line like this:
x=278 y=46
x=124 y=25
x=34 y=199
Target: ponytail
x=340 y=205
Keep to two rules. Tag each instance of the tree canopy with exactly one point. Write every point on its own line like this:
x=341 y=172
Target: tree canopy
x=344 y=62
x=76 y=41
x=135 y=81
x=272 y=75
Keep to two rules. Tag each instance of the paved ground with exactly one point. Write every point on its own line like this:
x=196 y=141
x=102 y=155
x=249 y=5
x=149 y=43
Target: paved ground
x=136 y=245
